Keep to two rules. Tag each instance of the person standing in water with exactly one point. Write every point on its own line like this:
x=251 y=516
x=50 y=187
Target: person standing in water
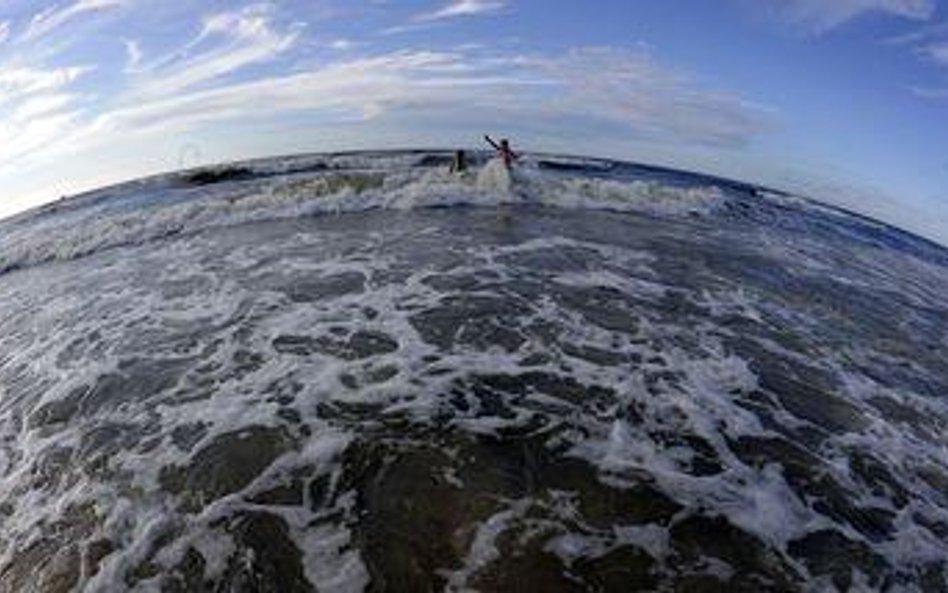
x=459 y=164
x=504 y=152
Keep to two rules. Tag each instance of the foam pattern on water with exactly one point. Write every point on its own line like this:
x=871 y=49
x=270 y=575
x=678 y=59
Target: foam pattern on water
x=168 y=206
x=470 y=398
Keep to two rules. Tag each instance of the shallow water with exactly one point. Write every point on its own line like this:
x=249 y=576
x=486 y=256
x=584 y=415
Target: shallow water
x=618 y=392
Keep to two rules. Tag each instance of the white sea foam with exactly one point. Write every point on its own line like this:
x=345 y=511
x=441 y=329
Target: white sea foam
x=207 y=296
x=483 y=549
x=356 y=183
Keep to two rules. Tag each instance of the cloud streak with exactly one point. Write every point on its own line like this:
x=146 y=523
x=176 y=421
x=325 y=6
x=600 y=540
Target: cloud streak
x=929 y=44
x=920 y=35
x=929 y=93
x=227 y=42
x=133 y=56
x=821 y=16
x=462 y=8
x=631 y=89
x=19 y=82
x=938 y=52
x=54 y=17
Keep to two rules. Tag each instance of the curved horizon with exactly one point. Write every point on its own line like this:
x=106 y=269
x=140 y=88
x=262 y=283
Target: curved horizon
x=711 y=177
x=838 y=102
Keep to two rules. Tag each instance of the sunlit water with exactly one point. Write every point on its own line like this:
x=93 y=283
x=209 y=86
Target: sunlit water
x=355 y=372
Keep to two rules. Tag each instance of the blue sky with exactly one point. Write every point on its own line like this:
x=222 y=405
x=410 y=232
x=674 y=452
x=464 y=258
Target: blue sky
x=844 y=100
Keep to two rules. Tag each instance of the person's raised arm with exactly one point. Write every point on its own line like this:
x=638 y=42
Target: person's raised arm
x=491 y=142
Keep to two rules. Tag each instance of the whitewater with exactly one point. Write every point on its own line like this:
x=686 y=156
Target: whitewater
x=348 y=372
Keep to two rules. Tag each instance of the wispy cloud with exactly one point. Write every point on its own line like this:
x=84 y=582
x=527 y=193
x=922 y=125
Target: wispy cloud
x=643 y=99
x=42 y=106
x=929 y=93
x=938 y=52
x=26 y=136
x=343 y=44
x=133 y=55
x=820 y=16
x=55 y=16
x=929 y=43
x=461 y=8
x=454 y=10
x=17 y=82
x=42 y=116
x=631 y=88
x=227 y=42
x=920 y=35
x=39 y=103
x=39 y=109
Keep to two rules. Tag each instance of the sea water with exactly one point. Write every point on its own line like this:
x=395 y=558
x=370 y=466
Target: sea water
x=340 y=372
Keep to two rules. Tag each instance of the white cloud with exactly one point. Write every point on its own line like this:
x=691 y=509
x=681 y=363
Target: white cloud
x=343 y=44
x=938 y=52
x=650 y=99
x=823 y=15
x=4 y=31
x=460 y=8
x=39 y=109
x=228 y=42
x=19 y=138
x=17 y=82
x=56 y=16
x=36 y=104
x=248 y=23
x=42 y=105
x=40 y=116
x=133 y=55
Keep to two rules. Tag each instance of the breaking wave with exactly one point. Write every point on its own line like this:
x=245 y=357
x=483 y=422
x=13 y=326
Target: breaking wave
x=288 y=188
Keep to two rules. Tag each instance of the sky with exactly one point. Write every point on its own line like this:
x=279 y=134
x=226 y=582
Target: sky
x=845 y=101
